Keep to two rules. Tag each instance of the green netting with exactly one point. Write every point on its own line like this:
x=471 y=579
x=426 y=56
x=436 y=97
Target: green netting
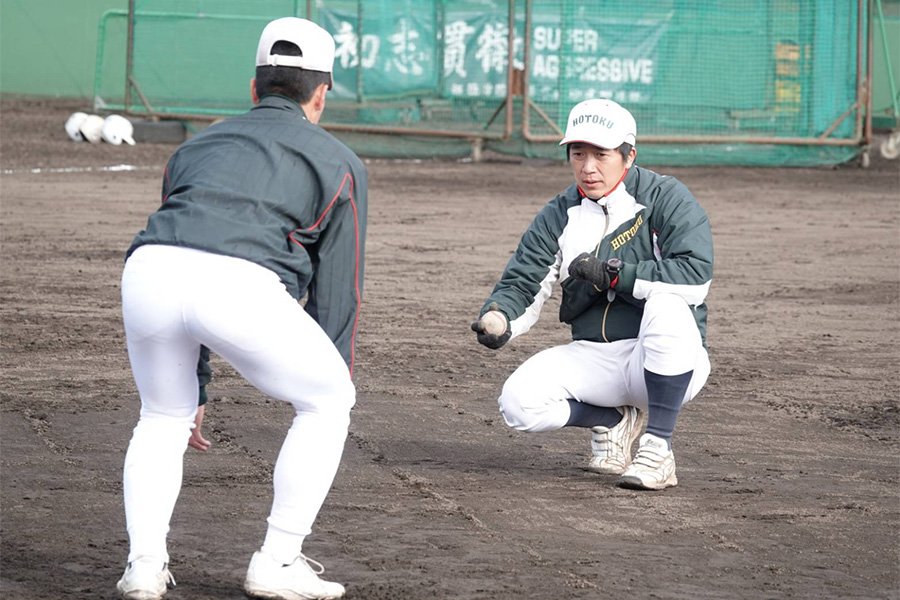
x=727 y=80
x=729 y=70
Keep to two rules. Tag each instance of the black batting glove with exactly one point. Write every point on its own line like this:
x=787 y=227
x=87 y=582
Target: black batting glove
x=488 y=326
x=590 y=268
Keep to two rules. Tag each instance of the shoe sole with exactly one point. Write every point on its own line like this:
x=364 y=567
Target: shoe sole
x=270 y=594
x=141 y=595
x=602 y=471
x=634 y=483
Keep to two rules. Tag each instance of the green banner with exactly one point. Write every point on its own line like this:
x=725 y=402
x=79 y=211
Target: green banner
x=401 y=55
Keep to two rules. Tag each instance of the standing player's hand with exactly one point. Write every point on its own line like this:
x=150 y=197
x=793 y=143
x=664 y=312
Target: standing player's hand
x=492 y=328
x=590 y=268
x=197 y=440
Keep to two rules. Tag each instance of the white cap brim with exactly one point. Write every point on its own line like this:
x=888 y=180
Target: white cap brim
x=607 y=143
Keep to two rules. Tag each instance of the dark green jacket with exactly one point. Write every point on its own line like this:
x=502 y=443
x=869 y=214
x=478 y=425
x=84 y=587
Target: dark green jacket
x=650 y=221
x=270 y=187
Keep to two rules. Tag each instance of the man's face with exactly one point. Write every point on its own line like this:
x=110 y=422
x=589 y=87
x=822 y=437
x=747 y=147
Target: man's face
x=597 y=170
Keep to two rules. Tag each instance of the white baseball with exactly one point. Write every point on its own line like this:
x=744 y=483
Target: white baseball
x=494 y=323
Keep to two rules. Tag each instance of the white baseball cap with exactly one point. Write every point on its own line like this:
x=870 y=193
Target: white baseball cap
x=92 y=128
x=117 y=129
x=602 y=123
x=73 y=126
x=316 y=46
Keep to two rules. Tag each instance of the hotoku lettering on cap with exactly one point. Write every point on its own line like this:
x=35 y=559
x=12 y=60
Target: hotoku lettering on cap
x=594 y=120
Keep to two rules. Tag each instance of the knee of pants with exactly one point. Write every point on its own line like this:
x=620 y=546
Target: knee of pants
x=669 y=335
x=335 y=404
x=345 y=403
x=669 y=316
x=169 y=414
x=172 y=432
x=519 y=409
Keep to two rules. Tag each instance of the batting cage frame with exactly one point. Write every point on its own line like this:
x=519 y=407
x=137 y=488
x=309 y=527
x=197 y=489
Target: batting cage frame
x=767 y=82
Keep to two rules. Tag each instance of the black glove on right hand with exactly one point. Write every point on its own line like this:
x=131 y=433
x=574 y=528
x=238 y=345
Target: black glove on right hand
x=590 y=268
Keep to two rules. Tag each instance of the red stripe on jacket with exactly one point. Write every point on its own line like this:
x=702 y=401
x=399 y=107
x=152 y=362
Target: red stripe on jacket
x=356 y=269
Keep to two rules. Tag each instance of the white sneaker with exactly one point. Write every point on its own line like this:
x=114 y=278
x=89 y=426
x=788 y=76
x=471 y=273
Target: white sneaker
x=611 y=446
x=268 y=578
x=653 y=467
x=145 y=578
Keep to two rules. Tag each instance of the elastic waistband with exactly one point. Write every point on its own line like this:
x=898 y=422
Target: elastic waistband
x=202 y=261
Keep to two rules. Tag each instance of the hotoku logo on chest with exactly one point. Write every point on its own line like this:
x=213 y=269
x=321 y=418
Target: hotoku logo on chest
x=624 y=237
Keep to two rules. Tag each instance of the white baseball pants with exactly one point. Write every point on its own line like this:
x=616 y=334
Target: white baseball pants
x=534 y=397
x=175 y=299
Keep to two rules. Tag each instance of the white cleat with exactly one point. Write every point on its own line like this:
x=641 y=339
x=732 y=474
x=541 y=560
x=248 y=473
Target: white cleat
x=145 y=578
x=268 y=578
x=611 y=446
x=653 y=467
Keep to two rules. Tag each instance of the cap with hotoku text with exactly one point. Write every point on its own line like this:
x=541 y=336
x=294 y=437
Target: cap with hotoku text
x=602 y=123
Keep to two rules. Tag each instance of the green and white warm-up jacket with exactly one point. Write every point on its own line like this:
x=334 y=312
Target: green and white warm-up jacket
x=650 y=221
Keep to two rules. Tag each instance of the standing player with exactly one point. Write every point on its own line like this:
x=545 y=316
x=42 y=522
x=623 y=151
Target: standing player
x=258 y=211
x=632 y=251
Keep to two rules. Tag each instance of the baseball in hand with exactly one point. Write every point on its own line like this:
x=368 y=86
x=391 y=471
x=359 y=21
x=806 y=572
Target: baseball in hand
x=493 y=323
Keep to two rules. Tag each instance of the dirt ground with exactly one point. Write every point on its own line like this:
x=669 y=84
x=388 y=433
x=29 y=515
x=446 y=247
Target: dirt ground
x=789 y=460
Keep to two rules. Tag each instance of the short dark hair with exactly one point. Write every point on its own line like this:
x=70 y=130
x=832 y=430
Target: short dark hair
x=624 y=150
x=292 y=82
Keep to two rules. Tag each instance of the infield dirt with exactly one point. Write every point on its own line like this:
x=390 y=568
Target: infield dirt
x=789 y=460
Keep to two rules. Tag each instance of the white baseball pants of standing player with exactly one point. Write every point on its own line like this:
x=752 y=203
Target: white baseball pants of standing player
x=534 y=397
x=175 y=299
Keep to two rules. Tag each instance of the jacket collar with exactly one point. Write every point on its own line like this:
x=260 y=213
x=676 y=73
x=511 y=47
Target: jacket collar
x=278 y=102
x=617 y=192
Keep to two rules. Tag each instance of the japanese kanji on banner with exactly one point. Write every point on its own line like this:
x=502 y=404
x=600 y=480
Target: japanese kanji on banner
x=467 y=57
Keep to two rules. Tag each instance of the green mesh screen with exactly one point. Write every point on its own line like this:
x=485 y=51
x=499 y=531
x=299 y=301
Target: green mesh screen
x=697 y=71
x=713 y=82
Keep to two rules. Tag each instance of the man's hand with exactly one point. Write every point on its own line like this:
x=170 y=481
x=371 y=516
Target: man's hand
x=197 y=440
x=593 y=270
x=492 y=328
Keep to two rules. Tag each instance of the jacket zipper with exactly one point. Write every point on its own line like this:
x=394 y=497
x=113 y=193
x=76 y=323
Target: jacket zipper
x=605 y=229
x=597 y=254
x=603 y=323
